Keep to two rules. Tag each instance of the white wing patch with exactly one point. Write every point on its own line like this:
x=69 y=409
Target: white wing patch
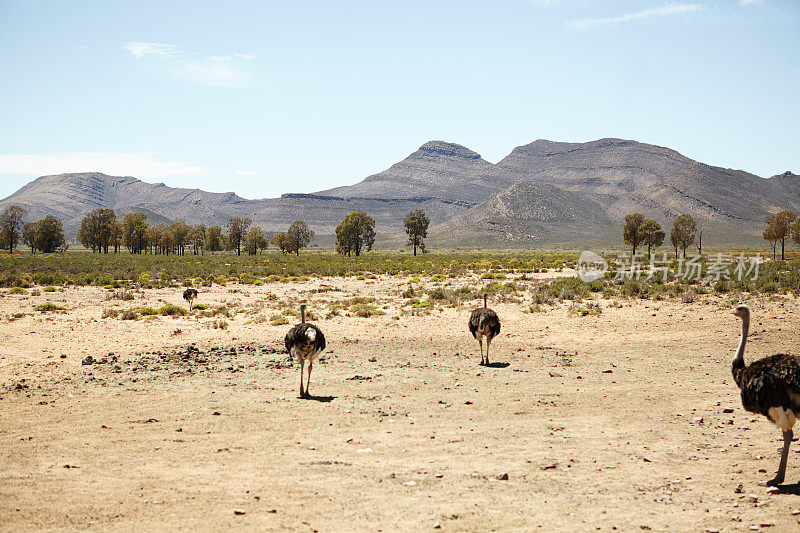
x=783 y=418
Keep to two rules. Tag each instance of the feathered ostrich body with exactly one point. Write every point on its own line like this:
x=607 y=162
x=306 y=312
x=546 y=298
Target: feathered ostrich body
x=770 y=387
x=189 y=295
x=484 y=322
x=304 y=342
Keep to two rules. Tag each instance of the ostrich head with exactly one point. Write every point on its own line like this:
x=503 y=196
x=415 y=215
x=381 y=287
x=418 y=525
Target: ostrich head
x=742 y=311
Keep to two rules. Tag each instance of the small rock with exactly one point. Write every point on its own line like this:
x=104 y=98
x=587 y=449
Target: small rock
x=752 y=498
x=503 y=476
x=410 y=484
x=773 y=490
x=607 y=371
x=796 y=512
x=698 y=419
x=437 y=525
x=216 y=413
x=550 y=466
x=556 y=375
x=739 y=489
x=727 y=410
x=238 y=512
x=88 y=360
x=364 y=450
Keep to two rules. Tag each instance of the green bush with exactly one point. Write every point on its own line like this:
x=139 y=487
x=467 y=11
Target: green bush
x=48 y=307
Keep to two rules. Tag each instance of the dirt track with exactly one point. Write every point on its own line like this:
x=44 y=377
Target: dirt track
x=615 y=422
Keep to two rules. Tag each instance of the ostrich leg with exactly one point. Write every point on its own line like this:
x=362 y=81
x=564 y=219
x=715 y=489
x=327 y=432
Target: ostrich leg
x=302 y=364
x=480 y=341
x=488 y=342
x=308 y=381
x=787 y=440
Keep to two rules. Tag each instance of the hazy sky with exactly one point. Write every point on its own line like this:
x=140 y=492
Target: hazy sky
x=267 y=97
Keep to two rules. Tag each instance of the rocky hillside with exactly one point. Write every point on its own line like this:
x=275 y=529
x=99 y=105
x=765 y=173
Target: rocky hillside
x=540 y=192
x=529 y=213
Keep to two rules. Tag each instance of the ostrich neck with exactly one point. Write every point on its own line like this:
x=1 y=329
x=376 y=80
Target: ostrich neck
x=739 y=359
x=302 y=316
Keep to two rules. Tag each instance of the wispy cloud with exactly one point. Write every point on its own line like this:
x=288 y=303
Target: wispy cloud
x=141 y=164
x=749 y=2
x=140 y=50
x=217 y=70
x=546 y=3
x=272 y=172
x=653 y=12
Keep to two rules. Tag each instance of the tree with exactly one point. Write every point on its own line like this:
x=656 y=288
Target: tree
x=179 y=232
x=99 y=229
x=416 y=223
x=781 y=229
x=299 y=236
x=49 y=235
x=237 y=227
x=214 y=239
x=253 y=240
x=10 y=223
x=683 y=233
x=281 y=242
x=198 y=238
x=355 y=234
x=29 y=235
x=650 y=234
x=134 y=232
x=630 y=233
x=154 y=237
x=772 y=236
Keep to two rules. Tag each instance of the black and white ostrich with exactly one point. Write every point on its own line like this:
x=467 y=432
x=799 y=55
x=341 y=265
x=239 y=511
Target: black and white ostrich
x=189 y=295
x=484 y=323
x=304 y=342
x=770 y=387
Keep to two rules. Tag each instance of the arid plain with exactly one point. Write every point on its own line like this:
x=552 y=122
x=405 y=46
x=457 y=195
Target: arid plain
x=624 y=421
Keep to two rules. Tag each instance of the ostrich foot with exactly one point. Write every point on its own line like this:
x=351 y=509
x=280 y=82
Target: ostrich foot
x=774 y=482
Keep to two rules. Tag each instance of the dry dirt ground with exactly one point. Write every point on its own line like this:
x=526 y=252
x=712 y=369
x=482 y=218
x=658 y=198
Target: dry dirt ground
x=627 y=421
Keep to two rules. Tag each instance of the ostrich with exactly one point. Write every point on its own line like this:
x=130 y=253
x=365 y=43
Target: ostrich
x=304 y=342
x=189 y=295
x=484 y=322
x=770 y=387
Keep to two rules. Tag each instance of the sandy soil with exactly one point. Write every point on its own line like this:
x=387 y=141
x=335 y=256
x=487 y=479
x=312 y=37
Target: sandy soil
x=626 y=421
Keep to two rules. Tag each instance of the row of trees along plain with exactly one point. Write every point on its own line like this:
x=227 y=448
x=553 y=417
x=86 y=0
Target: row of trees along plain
x=639 y=231
x=101 y=232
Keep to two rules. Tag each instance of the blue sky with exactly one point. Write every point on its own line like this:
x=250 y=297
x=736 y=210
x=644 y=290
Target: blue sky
x=263 y=98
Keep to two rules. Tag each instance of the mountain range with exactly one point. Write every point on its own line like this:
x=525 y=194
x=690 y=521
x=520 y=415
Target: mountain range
x=540 y=193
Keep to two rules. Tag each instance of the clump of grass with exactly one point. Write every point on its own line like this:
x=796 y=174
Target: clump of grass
x=17 y=290
x=49 y=288
x=129 y=314
x=271 y=297
x=278 y=320
x=200 y=307
x=172 y=310
x=121 y=294
x=48 y=307
x=290 y=312
x=110 y=313
x=36 y=292
x=590 y=309
x=145 y=311
x=366 y=310
x=220 y=324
